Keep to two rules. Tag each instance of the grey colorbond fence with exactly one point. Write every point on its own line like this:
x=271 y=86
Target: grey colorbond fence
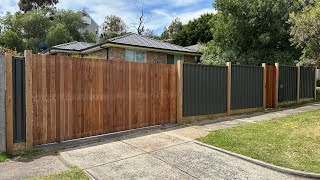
x=287 y=83
x=204 y=89
x=19 y=104
x=2 y=105
x=307 y=75
x=246 y=87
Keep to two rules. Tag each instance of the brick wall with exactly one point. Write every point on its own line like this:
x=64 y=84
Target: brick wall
x=116 y=54
x=189 y=59
x=156 y=57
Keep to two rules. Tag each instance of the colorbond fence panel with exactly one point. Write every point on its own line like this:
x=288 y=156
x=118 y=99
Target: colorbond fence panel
x=287 y=83
x=246 y=87
x=307 y=82
x=75 y=98
x=204 y=89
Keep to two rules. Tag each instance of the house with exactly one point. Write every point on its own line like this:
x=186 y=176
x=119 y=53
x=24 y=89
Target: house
x=130 y=47
x=90 y=25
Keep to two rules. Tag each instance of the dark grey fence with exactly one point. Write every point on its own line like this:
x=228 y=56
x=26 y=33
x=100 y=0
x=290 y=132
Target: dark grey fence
x=204 y=89
x=246 y=87
x=307 y=75
x=2 y=105
x=19 y=110
x=287 y=83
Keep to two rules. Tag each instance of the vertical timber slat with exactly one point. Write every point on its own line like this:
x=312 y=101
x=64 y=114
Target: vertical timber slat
x=298 y=83
x=9 y=102
x=179 y=90
x=276 y=86
x=228 y=64
x=264 y=85
x=29 y=108
x=315 y=82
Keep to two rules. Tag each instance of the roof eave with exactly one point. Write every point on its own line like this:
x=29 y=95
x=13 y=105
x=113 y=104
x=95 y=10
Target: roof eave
x=112 y=44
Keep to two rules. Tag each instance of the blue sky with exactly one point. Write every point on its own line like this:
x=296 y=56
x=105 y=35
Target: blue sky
x=162 y=12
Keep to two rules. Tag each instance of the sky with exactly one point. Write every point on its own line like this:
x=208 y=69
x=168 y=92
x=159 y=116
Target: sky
x=161 y=12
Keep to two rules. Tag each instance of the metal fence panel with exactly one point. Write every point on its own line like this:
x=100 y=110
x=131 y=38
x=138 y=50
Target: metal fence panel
x=287 y=83
x=2 y=105
x=307 y=82
x=204 y=89
x=246 y=87
x=19 y=110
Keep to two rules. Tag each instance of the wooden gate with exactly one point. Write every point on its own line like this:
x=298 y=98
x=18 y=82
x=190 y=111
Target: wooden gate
x=270 y=86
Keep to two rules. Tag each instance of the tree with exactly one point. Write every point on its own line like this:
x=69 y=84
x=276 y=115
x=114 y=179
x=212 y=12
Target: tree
x=113 y=26
x=89 y=37
x=255 y=31
x=143 y=16
x=11 y=40
x=305 y=31
x=174 y=28
x=58 y=34
x=196 y=31
x=36 y=28
x=28 y=5
x=150 y=33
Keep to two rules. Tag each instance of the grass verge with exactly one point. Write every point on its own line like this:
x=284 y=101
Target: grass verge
x=5 y=157
x=292 y=141
x=73 y=174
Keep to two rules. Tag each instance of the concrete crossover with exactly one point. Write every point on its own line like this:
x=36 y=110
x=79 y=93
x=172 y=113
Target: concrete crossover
x=158 y=154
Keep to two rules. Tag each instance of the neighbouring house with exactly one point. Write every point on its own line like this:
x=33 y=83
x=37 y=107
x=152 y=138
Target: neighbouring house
x=90 y=25
x=130 y=47
x=195 y=47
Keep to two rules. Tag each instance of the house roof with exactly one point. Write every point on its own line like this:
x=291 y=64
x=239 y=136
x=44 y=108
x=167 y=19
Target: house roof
x=73 y=46
x=143 y=41
x=195 y=47
x=125 y=41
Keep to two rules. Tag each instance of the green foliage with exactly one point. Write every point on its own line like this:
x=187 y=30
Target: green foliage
x=4 y=157
x=12 y=40
x=255 y=31
x=28 y=5
x=175 y=27
x=211 y=54
x=305 y=31
x=113 y=26
x=29 y=30
x=196 y=31
x=58 y=34
x=89 y=37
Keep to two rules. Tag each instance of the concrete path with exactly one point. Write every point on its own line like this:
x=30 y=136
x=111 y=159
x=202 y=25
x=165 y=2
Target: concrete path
x=173 y=154
x=35 y=167
x=155 y=154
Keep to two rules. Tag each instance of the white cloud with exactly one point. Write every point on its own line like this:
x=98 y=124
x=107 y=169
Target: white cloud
x=8 y=5
x=162 y=12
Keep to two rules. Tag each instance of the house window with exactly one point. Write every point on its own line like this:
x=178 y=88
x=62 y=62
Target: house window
x=135 y=56
x=172 y=59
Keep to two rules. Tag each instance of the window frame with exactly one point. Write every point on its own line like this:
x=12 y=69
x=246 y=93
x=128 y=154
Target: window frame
x=135 y=55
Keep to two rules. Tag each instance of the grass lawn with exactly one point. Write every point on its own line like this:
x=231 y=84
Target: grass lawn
x=73 y=174
x=5 y=157
x=292 y=141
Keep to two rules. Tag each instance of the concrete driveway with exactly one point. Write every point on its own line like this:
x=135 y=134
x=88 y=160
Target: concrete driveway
x=173 y=153
x=164 y=154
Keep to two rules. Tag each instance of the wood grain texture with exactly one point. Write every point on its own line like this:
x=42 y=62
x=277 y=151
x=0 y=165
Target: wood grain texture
x=276 y=85
x=264 y=85
x=29 y=109
x=298 y=83
x=179 y=90
x=9 y=102
x=75 y=97
x=229 y=89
